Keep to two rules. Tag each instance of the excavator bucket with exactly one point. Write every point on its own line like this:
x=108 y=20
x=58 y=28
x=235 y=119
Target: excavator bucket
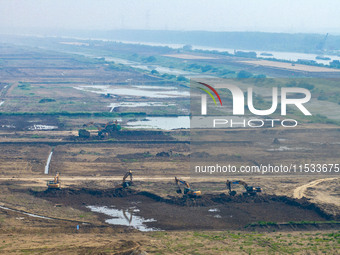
x=179 y=191
x=232 y=193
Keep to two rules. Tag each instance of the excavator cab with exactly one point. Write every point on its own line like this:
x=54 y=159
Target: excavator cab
x=187 y=190
x=250 y=190
x=55 y=184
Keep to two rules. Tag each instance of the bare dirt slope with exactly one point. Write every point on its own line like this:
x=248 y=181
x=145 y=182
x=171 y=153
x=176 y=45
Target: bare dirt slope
x=300 y=192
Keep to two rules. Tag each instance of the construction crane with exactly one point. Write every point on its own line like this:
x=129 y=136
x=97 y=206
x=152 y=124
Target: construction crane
x=126 y=183
x=250 y=190
x=55 y=184
x=187 y=190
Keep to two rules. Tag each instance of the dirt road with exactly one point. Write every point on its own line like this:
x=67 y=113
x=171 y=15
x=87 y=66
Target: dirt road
x=299 y=192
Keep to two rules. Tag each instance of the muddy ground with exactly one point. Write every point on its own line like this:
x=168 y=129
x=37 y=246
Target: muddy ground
x=209 y=212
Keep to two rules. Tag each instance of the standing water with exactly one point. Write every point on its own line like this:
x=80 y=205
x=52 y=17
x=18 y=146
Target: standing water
x=125 y=217
x=48 y=162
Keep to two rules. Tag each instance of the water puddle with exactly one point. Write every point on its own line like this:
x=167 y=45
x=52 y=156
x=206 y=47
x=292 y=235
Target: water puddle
x=166 y=92
x=164 y=123
x=138 y=104
x=154 y=87
x=125 y=217
x=7 y=126
x=286 y=148
x=42 y=127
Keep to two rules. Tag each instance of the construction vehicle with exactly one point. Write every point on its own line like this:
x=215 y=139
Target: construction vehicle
x=106 y=130
x=109 y=129
x=250 y=190
x=187 y=190
x=55 y=184
x=126 y=183
x=83 y=133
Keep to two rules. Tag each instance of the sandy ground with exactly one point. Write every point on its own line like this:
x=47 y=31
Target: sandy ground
x=299 y=192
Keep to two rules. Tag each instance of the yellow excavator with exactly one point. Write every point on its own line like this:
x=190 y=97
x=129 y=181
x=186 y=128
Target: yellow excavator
x=55 y=184
x=106 y=130
x=187 y=190
x=83 y=133
x=250 y=190
x=126 y=183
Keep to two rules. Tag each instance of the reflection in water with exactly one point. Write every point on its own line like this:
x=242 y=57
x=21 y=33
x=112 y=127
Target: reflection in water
x=125 y=217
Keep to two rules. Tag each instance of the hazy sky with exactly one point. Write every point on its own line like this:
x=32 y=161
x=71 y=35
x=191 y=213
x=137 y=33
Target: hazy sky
x=318 y=16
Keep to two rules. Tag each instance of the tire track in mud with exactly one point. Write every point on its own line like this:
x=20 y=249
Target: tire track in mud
x=2 y=207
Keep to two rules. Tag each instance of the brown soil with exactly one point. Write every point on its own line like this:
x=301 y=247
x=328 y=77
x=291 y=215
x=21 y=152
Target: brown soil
x=226 y=212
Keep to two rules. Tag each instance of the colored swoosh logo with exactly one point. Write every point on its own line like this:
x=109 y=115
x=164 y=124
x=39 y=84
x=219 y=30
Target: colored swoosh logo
x=209 y=93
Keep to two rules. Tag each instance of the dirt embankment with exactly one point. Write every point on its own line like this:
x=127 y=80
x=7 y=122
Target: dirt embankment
x=299 y=192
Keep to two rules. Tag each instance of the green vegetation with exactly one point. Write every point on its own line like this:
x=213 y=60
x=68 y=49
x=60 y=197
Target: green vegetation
x=313 y=222
x=270 y=223
x=149 y=59
x=46 y=100
x=245 y=54
x=37 y=136
x=225 y=242
x=154 y=72
x=182 y=79
x=261 y=223
x=24 y=85
x=76 y=114
x=118 y=67
x=244 y=74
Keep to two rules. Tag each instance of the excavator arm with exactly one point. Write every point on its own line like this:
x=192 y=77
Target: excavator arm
x=127 y=175
x=250 y=190
x=55 y=184
x=187 y=189
x=126 y=183
x=56 y=178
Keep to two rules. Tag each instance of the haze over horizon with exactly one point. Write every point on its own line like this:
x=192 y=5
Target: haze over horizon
x=286 y=16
